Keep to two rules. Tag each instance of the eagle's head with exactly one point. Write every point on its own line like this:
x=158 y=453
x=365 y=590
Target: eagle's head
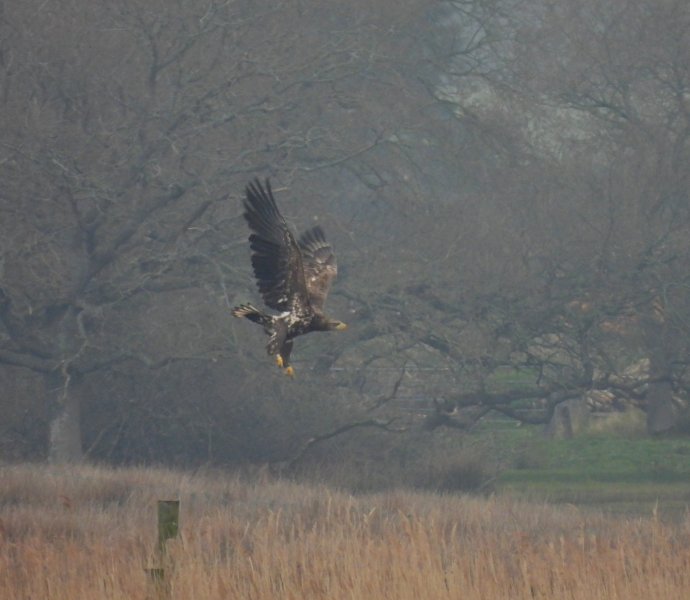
x=333 y=325
x=325 y=324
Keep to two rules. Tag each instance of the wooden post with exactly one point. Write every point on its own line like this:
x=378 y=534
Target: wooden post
x=168 y=522
x=168 y=528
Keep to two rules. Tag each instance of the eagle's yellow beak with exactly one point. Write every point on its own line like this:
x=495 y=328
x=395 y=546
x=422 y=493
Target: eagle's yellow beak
x=341 y=327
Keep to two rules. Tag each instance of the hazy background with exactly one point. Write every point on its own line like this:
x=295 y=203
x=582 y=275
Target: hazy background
x=505 y=183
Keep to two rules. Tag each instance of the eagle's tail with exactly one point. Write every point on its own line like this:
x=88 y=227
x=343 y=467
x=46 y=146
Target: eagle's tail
x=252 y=313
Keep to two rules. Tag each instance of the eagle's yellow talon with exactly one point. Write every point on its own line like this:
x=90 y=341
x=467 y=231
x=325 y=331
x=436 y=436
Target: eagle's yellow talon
x=279 y=360
x=290 y=372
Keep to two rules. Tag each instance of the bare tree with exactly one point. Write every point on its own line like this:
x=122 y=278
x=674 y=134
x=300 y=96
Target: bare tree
x=504 y=181
x=124 y=128
x=588 y=103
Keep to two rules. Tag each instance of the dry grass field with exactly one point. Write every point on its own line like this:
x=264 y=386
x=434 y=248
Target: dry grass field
x=89 y=533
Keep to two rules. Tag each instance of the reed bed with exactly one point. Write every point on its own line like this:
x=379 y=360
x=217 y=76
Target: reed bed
x=89 y=533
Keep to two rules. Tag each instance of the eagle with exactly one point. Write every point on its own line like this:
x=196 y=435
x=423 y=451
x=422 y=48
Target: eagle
x=293 y=275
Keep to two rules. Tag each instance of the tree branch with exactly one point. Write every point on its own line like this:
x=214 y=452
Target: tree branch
x=377 y=423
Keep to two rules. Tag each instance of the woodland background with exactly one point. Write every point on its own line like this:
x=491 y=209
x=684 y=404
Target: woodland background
x=505 y=182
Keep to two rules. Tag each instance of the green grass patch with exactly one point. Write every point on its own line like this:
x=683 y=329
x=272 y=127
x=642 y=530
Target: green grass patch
x=610 y=471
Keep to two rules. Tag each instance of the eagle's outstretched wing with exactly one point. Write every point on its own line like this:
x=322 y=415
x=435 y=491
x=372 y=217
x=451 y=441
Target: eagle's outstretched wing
x=276 y=256
x=320 y=266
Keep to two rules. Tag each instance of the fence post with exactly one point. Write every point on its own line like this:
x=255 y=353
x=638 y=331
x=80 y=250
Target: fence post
x=168 y=522
x=168 y=528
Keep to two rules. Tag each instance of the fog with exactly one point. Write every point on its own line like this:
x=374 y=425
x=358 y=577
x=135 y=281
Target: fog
x=505 y=184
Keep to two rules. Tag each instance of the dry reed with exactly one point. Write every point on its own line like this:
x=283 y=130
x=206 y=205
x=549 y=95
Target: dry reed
x=88 y=533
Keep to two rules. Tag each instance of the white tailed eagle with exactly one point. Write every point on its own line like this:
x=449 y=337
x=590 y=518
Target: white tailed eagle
x=293 y=276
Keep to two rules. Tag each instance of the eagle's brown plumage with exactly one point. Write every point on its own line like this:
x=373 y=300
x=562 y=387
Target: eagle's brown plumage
x=292 y=276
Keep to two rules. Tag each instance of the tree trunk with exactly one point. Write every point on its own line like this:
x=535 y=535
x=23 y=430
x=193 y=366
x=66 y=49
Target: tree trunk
x=570 y=418
x=662 y=414
x=65 y=424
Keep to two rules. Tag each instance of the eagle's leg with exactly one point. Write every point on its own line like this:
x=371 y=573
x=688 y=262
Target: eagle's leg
x=278 y=337
x=281 y=347
x=284 y=358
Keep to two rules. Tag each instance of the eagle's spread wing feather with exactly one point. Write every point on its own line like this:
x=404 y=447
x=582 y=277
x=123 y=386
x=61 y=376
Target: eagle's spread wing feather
x=320 y=267
x=276 y=256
